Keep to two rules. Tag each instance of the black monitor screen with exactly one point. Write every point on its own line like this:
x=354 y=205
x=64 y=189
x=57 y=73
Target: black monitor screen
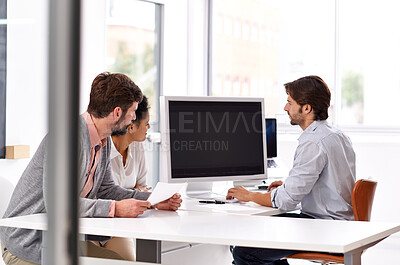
x=270 y=129
x=211 y=139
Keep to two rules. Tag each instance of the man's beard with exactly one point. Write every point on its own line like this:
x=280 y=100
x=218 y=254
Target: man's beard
x=294 y=122
x=119 y=131
x=295 y=118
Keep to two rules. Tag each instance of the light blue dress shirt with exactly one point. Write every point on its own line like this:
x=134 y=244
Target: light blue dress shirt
x=322 y=177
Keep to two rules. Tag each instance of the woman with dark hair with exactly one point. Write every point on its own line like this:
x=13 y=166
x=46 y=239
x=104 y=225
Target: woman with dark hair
x=129 y=170
x=127 y=153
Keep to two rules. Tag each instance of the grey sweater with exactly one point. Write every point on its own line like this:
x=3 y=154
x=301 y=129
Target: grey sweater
x=29 y=196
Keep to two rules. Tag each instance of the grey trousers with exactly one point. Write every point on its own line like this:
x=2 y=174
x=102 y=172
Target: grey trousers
x=88 y=250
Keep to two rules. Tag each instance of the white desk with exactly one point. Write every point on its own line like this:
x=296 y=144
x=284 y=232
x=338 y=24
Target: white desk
x=249 y=208
x=345 y=237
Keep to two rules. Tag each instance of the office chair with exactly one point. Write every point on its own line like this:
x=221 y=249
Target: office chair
x=362 y=198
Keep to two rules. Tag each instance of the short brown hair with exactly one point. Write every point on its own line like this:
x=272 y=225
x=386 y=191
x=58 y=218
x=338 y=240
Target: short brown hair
x=311 y=90
x=110 y=91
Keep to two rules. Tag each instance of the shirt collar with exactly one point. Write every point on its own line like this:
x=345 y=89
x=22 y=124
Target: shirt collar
x=93 y=133
x=114 y=151
x=311 y=128
x=130 y=152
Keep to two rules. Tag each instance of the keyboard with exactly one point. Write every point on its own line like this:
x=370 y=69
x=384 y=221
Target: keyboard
x=224 y=200
x=271 y=164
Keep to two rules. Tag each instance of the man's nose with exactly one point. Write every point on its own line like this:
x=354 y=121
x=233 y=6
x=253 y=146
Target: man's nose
x=285 y=107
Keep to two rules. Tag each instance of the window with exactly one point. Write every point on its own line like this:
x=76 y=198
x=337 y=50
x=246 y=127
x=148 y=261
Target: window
x=133 y=37
x=369 y=63
x=133 y=47
x=281 y=41
x=356 y=53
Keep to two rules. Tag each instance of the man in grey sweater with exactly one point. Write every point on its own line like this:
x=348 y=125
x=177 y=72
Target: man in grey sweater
x=113 y=101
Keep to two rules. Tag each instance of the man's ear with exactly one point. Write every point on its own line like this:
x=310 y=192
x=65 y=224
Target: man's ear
x=117 y=112
x=307 y=108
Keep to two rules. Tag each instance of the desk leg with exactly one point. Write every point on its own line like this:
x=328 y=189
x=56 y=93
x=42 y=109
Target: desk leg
x=44 y=247
x=148 y=250
x=352 y=258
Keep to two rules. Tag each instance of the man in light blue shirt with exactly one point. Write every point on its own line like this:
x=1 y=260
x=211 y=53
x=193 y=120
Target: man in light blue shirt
x=323 y=173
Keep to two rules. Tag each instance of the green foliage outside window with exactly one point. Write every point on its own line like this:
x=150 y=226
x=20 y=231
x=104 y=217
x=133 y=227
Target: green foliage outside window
x=139 y=67
x=353 y=93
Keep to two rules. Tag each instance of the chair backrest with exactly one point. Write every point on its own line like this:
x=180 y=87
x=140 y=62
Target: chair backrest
x=362 y=198
x=6 y=190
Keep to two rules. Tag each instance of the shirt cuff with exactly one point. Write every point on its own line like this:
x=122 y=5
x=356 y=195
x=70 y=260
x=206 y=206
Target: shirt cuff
x=273 y=196
x=111 y=212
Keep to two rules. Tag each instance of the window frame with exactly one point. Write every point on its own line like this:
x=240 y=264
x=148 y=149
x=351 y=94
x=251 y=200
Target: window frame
x=336 y=101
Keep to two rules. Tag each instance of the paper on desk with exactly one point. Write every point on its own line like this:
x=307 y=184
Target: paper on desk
x=164 y=191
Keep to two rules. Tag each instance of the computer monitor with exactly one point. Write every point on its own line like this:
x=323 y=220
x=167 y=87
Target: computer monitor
x=207 y=139
x=270 y=128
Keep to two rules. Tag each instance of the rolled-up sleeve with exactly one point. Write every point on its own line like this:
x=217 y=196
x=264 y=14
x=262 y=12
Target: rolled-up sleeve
x=308 y=163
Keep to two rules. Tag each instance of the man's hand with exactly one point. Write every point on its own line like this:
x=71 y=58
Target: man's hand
x=239 y=193
x=244 y=195
x=171 y=204
x=130 y=208
x=274 y=185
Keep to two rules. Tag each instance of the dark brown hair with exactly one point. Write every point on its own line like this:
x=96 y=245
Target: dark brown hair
x=110 y=91
x=142 y=109
x=311 y=90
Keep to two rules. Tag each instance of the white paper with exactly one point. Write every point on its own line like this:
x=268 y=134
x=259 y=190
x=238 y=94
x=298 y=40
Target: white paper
x=164 y=191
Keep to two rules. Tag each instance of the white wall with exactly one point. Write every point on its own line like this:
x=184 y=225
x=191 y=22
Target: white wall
x=92 y=46
x=26 y=120
x=377 y=157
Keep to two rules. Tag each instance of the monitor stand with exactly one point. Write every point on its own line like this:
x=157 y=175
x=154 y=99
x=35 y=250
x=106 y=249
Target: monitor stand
x=201 y=190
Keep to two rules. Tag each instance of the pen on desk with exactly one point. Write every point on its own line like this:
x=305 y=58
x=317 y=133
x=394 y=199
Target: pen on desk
x=213 y=201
